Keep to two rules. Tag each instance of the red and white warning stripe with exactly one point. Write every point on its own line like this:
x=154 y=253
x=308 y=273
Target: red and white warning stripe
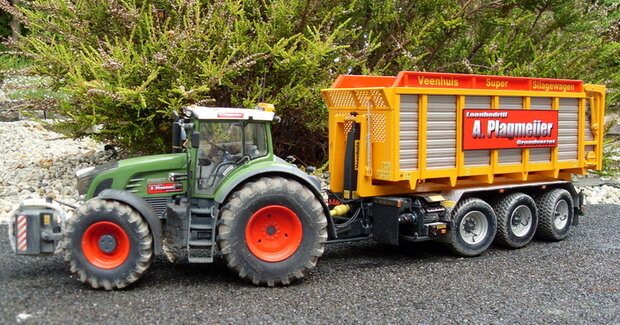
x=22 y=233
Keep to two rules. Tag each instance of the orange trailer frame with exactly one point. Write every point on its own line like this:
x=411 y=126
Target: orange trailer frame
x=412 y=131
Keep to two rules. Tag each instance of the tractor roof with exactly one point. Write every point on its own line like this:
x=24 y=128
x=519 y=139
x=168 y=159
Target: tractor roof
x=223 y=113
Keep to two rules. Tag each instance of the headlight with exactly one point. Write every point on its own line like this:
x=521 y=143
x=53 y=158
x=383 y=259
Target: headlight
x=84 y=171
x=83 y=181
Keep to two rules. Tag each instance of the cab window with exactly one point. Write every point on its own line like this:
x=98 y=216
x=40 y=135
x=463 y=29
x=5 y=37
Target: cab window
x=225 y=146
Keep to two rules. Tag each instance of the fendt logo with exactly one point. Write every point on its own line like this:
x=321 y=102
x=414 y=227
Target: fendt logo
x=164 y=188
x=508 y=129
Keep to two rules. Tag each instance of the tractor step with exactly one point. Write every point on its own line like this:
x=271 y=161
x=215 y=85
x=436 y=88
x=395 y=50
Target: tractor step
x=194 y=259
x=201 y=223
x=201 y=211
x=201 y=236
x=201 y=243
x=201 y=226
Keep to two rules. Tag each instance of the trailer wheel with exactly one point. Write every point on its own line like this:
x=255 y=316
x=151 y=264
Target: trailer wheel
x=107 y=244
x=555 y=213
x=473 y=227
x=272 y=231
x=516 y=220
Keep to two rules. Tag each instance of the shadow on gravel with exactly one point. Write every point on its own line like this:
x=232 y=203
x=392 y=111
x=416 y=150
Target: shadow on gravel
x=370 y=249
x=53 y=271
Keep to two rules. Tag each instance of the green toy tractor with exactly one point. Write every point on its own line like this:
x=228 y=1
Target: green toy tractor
x=222 y=192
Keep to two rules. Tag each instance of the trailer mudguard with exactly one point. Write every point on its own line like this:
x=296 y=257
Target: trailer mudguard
x=143 y=208
x=284 y=170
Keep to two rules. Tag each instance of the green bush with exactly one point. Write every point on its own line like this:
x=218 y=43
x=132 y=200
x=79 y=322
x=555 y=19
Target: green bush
x=127 y=64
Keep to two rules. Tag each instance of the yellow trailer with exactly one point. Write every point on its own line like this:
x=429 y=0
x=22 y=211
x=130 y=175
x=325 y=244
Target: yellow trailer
x=507 y=144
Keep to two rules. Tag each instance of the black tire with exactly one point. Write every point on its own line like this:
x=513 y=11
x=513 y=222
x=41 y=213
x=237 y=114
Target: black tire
x=555 y=213
x=462 y=238
x=95 y=220
x=245 y=205
x=516 y=220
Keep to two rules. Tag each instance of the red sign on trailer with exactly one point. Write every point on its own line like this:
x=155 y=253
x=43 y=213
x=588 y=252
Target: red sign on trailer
x=509 y=129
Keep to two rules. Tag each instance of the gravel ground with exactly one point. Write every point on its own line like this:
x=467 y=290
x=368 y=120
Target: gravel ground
x=37 y=163
x=574 y=281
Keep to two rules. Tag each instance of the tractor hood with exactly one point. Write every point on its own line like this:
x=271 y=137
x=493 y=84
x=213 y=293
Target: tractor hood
x=92 y=180
x=154 y=163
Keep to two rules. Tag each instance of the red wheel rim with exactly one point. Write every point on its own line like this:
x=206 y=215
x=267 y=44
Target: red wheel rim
x=100 y=255
x=273 y=233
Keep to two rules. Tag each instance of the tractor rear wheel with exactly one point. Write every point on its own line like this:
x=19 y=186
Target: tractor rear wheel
x=272 y=231
x=107 y=244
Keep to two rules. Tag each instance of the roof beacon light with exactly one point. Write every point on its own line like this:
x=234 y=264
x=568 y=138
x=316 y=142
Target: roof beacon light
x=265 y=107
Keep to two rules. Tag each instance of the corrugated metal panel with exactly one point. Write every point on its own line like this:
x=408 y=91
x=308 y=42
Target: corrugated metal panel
x=441 y=132
x=539 y=155
x=510 y=102
x=541 y=103
x=568 y=129
x=588 y=135
x=408 y=132
x=477 y=157
x=510 y=156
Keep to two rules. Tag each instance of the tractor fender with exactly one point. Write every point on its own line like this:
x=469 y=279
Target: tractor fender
x=289 y=171
x=143 y=208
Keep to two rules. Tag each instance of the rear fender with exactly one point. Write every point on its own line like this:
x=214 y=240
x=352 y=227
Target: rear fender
x=143 y=208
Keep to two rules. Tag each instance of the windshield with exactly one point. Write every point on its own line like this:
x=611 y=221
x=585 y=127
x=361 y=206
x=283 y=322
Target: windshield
x=224 y=146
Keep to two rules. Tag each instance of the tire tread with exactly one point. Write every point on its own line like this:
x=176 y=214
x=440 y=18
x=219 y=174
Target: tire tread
x=503 y=209
x=259 y=187
x=146 y=244
x=452 y=241
x=546 y=205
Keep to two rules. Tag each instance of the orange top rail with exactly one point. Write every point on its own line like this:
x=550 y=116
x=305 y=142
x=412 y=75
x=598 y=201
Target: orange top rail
x=459 y=81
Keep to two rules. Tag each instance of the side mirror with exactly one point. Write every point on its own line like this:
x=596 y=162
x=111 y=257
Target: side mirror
x=195 y=140
x=204 y=162
x=177 y=142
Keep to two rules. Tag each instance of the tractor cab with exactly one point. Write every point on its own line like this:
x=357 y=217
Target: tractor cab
x=223 y=139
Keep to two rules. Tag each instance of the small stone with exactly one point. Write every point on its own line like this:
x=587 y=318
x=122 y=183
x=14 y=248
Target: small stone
x=22 y=317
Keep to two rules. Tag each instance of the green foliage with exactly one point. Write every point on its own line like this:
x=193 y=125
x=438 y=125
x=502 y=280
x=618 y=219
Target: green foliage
x=5 y=24
x=611 y=154
x=127 y=64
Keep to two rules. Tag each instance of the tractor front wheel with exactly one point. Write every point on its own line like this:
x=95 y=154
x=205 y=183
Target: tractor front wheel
x=107 y=244
x=272 y=231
